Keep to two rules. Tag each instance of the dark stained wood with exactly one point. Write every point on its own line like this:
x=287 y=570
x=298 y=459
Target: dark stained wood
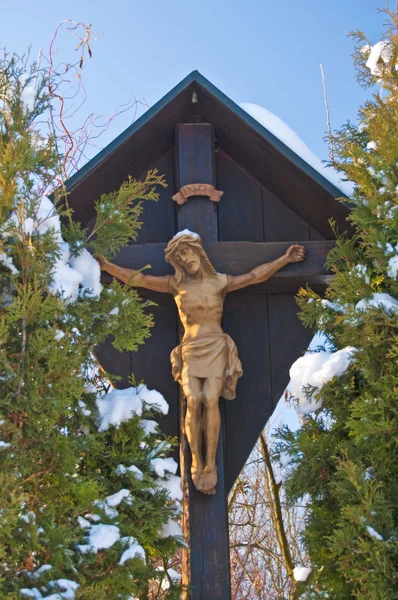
x=132 y=157
x=271 y=167
x=114 y=362
x=158 y=217
x=262 y=156
x=198 y=215
x=246 y=321
x=284 y=324
x=195 y=164
x=240 y=257
x=315 y=236
x=206 y=560
x=281 y=223
x=205 y=564
x=194 y=154
x=151 y=362
x=240 y=209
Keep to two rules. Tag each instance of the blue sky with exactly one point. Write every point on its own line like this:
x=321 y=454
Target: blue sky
x=261 y=51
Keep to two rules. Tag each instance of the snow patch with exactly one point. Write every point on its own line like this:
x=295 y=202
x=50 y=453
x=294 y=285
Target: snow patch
x=164 y=465
x=89 y=269
x=7 y=262
x=171 y=529
x=301 y=573
x=85 y=411
x=122 y=470
x=83 y=523
x=65 y=280
x=90 y=389
x=379 y=300
x=121 y=405
x=111 y=513
x=311 y=371
x=134 y=549
x=67 y=589
x=69 y=272
x=41 y=570
x=101 y=537
x=172 y=485
x=372 y=532
x=31 y=593
x=149 y=426
x=117 y=498
x=381 y=50
x=393 y=267
x=153 y=399
x=179 y=234
x=289 y=137
x=171 y=575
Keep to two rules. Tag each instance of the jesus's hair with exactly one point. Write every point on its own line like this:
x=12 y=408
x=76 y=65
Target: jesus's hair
x=193 y=242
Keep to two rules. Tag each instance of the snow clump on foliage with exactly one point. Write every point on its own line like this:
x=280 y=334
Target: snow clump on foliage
x=120 y=405
x=72 y=275
x=310 y=372
x=379 y=300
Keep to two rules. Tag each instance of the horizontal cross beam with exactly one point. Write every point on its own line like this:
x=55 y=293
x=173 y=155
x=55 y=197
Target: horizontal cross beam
x=241 y=257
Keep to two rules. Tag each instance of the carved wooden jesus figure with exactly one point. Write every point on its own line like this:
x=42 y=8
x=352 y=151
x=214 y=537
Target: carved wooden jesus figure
x=206 y=363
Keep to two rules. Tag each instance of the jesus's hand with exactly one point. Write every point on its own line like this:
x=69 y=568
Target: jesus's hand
x=295 y=253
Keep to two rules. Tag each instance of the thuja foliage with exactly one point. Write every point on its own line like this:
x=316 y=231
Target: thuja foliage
x=345 y=454
x=56 y=467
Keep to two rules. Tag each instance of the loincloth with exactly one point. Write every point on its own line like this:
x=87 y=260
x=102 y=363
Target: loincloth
x=210 y=355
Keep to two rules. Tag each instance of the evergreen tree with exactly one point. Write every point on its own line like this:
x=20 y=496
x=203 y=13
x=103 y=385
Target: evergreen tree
x=87 y=493
x=345 y=455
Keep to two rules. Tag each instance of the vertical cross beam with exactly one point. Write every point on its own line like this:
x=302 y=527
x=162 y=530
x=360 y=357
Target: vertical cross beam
x=205 y=562
x=195 y=163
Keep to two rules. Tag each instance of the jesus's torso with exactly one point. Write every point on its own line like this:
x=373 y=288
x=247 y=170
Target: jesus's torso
x=200 y=304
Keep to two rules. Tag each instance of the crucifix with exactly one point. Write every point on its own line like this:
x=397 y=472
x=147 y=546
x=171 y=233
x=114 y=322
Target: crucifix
x=205 y=521
x=206 y=363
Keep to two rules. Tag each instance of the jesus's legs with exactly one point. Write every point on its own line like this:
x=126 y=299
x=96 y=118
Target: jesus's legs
x=192 y=387
x=212 y=388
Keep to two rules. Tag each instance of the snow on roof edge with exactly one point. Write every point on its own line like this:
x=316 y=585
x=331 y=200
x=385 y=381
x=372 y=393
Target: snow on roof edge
x=289 y=137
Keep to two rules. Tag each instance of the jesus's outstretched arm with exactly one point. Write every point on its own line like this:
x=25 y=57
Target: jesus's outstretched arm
x=136 y=278
x=295 y=253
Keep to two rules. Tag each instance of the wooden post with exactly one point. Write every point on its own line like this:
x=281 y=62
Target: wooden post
x=195 y=163
x=205 y=563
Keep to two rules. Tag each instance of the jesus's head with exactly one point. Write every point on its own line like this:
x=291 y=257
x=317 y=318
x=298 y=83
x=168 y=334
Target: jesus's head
x=186 y=254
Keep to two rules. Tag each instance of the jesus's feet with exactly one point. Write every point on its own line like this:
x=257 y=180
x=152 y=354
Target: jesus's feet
x=207 y=481
x=196 y=472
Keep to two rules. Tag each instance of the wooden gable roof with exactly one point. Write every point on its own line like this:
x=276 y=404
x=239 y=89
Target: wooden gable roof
x=261 y=154
x=271 y=196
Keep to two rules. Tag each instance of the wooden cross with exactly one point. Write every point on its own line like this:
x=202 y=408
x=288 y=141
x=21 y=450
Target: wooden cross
x=205 y=518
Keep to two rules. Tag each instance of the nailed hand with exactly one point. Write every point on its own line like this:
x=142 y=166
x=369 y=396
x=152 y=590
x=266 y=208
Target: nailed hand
x=295 y=253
